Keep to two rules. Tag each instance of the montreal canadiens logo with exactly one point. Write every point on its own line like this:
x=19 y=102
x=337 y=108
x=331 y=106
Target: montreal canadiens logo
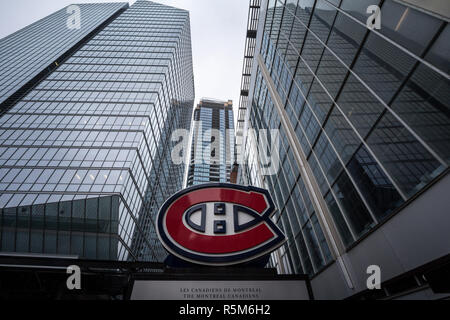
x=219 y=224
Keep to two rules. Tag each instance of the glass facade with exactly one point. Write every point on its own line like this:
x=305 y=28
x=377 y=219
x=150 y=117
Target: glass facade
x=85 y=155
x=365 y=111
x=212 y=150
x=25 y=53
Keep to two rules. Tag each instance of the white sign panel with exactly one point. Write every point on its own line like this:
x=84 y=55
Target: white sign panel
x=220 y=290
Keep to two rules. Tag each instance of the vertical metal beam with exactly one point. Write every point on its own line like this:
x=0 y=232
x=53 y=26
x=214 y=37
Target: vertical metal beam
x=332 y=236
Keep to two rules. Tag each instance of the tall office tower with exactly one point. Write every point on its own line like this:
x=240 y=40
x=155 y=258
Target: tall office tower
x=212 y=149
x=85 y=137
x=364 y=123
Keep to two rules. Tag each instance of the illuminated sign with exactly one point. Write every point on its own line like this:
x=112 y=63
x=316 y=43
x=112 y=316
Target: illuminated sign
x=219 y=224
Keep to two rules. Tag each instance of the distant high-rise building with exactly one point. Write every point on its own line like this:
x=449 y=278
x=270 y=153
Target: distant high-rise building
x=85 y=134
x=212 y=150
x=364 y=124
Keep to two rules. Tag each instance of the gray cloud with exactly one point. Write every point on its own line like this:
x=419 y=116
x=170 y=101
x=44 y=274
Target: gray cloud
x=218 y=36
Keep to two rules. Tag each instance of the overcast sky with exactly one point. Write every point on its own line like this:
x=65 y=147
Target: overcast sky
x=218 y=35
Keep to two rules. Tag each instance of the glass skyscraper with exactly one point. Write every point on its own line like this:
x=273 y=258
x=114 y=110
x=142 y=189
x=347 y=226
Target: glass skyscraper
x=212 y=149
x=34 y=50
x=85 y=134
x=364 y=122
